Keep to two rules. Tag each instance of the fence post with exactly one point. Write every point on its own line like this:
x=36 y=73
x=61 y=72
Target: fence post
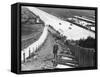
x=24 y=57
x=33 y=49
x=36 y=49
x=29 y=53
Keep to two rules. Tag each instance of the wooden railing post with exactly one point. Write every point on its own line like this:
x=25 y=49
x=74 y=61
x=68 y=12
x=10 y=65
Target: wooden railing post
x=24 y=57
x=29 y=53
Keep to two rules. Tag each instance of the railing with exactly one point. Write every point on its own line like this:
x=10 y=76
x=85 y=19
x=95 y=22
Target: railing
x=25 y=53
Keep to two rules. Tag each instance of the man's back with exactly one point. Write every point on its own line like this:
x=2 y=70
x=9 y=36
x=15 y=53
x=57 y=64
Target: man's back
x=55 y=49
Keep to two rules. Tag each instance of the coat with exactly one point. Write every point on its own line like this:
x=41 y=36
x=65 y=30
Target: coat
x=55 y=49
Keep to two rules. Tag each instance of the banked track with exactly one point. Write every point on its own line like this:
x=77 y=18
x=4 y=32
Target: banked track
x=73 y=32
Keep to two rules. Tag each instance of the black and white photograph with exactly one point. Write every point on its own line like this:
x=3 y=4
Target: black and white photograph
x=57 y=38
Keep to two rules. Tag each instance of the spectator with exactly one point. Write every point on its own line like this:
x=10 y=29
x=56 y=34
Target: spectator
x=55 y=49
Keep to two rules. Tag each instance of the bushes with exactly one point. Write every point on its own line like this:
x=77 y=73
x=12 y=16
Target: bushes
x=87 y=43
x=27 y=16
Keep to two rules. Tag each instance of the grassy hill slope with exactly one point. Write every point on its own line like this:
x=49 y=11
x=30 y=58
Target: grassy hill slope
x=30 y=30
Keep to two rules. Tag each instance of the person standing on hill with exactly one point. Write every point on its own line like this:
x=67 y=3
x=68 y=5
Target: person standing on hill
x=55 y=49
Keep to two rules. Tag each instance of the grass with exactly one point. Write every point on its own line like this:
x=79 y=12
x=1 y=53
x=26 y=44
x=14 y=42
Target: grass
x=30 y=30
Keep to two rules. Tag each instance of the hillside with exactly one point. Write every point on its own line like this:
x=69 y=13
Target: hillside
x=30 y=29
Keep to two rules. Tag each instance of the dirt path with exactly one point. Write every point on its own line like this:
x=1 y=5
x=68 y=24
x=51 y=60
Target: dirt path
x=43 y=53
